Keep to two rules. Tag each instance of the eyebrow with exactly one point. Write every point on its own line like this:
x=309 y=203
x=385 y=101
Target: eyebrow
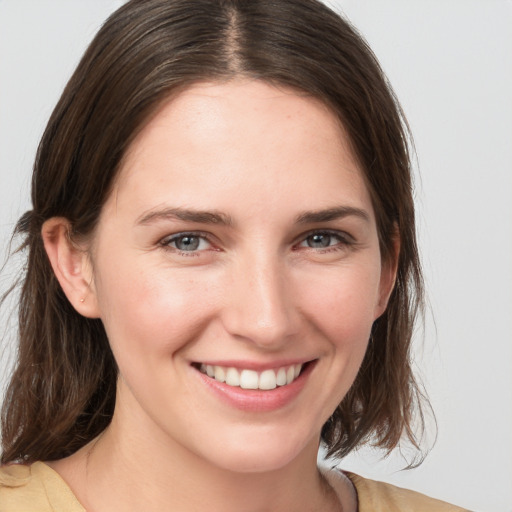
x=186 y=214
x=329 y=214
x=216 y=217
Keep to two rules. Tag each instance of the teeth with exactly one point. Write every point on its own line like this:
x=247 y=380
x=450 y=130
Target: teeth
x=281 y=377
x=220 y=374
x=250 y=379
x=290 y=374
x=232 y=377
x=268 y=380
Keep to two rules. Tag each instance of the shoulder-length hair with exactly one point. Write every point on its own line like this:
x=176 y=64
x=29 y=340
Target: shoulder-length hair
x=62 y=392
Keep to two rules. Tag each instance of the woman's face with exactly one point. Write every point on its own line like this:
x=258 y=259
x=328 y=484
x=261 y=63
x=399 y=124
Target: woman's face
x=239 y=243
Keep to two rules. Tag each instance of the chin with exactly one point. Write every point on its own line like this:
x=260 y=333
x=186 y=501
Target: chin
x=252 y=463
x=263 y=455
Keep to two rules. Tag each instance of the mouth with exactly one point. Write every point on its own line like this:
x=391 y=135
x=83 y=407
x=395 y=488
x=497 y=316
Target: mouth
x=246 y=378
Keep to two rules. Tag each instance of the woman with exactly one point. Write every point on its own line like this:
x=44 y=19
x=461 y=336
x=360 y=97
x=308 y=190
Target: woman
x=222 y=270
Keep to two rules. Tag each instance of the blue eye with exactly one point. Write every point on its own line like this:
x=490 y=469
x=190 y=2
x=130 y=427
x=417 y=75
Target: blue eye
x=319 y=240
x=322 y=240
x=187 y=242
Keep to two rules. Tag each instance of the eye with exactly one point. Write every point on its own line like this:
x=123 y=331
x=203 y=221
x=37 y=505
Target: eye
x=325 y=240
x=320 y=240
x=187 y=242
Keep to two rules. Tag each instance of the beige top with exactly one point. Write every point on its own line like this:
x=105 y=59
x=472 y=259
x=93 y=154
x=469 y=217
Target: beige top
x=35 y=488
x=38 y=488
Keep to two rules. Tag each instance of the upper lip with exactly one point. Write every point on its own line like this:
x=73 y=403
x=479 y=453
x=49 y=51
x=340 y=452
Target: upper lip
x=253 y=365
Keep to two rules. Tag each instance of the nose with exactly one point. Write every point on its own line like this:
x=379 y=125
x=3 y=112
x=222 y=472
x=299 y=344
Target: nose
x=260 y=306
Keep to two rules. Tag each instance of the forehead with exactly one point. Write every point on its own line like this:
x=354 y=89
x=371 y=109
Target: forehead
x=246 y=134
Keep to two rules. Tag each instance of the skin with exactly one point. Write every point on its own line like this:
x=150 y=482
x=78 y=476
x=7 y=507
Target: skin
x=258 y=290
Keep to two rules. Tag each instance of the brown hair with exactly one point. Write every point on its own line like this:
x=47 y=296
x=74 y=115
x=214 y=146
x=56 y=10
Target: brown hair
x=62 y=392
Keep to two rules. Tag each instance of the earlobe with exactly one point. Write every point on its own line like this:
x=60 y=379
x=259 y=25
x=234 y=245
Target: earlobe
x=71 y=265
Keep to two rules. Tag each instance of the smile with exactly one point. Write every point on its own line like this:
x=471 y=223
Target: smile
x=251 y=379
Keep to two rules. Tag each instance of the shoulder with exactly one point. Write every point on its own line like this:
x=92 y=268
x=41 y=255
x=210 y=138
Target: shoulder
x=381 y=497
x=35 y=488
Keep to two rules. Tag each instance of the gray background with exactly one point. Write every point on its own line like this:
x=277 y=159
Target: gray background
x=450 y=62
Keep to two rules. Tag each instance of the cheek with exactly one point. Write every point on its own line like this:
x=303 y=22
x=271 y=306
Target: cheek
x=342 y=303
x=151 y=313
x=340 y=306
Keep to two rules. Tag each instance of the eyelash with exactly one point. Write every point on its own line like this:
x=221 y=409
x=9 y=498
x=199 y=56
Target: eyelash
x=166 y=242
x=344 y=241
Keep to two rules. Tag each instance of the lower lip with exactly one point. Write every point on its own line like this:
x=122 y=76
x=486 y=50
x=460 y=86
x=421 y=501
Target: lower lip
x=256 y=400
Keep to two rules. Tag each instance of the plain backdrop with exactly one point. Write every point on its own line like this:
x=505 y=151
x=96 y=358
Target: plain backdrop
x=450 y=62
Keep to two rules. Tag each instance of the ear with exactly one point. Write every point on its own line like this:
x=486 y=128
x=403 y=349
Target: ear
x=71 y=265
x=388 y=274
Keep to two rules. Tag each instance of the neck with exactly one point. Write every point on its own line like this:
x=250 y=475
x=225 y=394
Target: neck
x=119 y=467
